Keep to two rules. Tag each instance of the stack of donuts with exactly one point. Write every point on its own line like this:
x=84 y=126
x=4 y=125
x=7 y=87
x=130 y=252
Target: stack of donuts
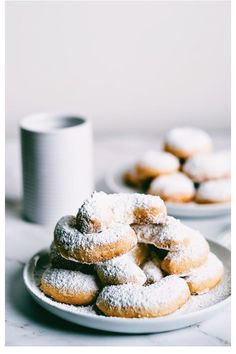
x=186 y=170
x=125 y=255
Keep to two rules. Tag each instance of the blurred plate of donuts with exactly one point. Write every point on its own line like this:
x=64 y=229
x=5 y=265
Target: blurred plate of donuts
x=187 y=172
x=115 y=183
x=197 y=309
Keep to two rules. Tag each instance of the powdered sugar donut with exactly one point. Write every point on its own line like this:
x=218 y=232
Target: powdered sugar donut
x=184 y=260
x=57 y=261
x=187 y=141
x=120 y=270
x=171 y=236
x=69 y=286
x=158 y=299
x=103 y=210
x=202 y=168
x=206 y=277
x=152 y=269
x=124 y=269
x=217 y=191
x=92 y=248
x=173 y=188
x=156 y=163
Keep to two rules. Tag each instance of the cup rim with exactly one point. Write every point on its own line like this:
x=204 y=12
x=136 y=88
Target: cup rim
x=52 y=123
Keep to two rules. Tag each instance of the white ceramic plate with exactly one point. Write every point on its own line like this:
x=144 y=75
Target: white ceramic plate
x=115 y=184
x=197 y=309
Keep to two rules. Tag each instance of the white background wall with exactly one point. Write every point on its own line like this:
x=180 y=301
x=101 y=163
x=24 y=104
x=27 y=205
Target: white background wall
x=129 y=66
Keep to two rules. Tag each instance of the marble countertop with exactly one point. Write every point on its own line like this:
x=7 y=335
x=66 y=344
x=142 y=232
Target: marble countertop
x=28 y=324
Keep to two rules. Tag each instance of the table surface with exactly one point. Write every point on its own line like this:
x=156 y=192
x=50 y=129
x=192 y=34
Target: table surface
x=29 y=324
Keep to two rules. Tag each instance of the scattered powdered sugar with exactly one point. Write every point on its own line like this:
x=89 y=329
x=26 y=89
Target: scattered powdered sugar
x=67 y=235
x=219 y=293
x=170 y=235
x=153 y=297
x=215 y=191
x=107 y=209
x=160 y=160
x=213 y=267
x=188 y=139
x=195 y=303
x=120 y=270
x=208 y=166
x=86 y=310
x=69 y=281
x=174 y=184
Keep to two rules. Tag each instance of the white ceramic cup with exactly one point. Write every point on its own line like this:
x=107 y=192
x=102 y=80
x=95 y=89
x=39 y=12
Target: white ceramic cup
x=57 y=164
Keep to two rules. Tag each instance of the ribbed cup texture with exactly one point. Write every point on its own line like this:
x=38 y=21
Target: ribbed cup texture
x=57 y=171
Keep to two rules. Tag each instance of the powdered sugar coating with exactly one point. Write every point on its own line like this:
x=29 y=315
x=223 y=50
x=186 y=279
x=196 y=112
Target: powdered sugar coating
x=154 y=299
x=184 y=260
x=103 y=210
x=206 y=167
x=68 y=238
x=152 y=270
x=57 y=261
x=188 y=139
x=172 y=186
x=95 y=210
x=195 y=303
x=212 y=269
x=69 y=281
x=161 y=161
x=214 y=191
x=219 y=293
x=120 y=270
x=171 y=235
x=67 y=234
